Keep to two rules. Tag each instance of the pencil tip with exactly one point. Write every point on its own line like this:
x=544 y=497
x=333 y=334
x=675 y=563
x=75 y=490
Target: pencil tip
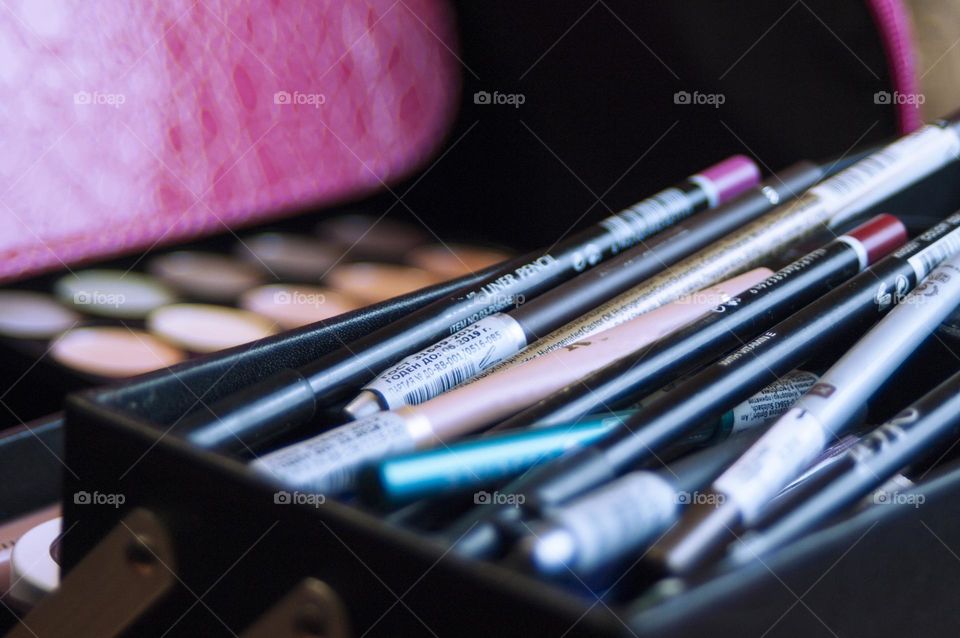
x=700 y=537
x=363 y=405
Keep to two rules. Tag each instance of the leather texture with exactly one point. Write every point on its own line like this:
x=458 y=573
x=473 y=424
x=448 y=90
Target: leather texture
x=129 y=124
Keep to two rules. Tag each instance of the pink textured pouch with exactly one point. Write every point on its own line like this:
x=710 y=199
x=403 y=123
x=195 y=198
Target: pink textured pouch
x=130 y=124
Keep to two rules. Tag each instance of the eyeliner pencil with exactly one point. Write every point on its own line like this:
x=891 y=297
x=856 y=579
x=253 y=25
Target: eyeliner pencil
x=846 y=311
x=825 y=412
x=464 y=354
x=623 y=517
x=930 y=422
x=282 y=401
x=644 y=370
x=329 y=462
x=486 y=460
x=832 y=202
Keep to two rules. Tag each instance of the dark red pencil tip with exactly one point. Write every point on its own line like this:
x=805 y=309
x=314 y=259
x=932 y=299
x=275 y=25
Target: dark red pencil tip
x=880 y=236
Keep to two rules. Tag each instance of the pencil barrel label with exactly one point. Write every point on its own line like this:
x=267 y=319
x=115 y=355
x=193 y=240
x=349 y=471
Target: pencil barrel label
x=931 y=145
x=648 y=217
x=785 y=450
x=510 y=289
x=772 y=401
x=744 y=250
x=797 y=438
x=928 y=258
x=328 y=463
x=890 y=433
x=616 y=518
x=449 y=362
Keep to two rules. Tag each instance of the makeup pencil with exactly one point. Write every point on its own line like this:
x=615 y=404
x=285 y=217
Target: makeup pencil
x=929 y=423
x=492 y=398
x=462 y=355
x=643 y=370
x=466 y=465
x=623 y=517
x=329 y=462
x=290 y=398
x=822 y=414
x=846 y=311
x=832 y=202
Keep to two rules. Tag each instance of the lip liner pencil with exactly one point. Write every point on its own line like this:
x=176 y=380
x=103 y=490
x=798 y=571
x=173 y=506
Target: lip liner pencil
x=833 y=202
x=930 y=422
x=644 y=370
x=486 y=460
x=821 y=415
x=277 y=403
x=455 y=358
x=845 y=311
x=329 y=462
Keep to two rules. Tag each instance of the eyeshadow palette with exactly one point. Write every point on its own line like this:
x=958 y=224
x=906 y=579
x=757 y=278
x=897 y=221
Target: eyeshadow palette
x=131 y=316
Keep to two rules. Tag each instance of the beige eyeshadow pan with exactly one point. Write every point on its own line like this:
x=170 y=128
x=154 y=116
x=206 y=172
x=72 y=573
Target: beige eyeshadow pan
x=370 y=237
x=289 y=256
x=208 y=328
x=450 y=261
x=373 y=282
x=115 y=352
x=113 y=293
x=292 y=306
x=206 y=276
x=33 y=315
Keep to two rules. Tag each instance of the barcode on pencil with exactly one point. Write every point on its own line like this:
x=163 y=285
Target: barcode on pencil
x=647 y=217
x=857 y=176
x=931 y=256
x=444 y=382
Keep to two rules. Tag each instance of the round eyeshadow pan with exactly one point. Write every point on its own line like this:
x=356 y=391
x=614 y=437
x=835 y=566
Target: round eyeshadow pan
x=113 y=352
x=294 y=306
x=370 y=237
x=113 y=293
x=289 y=256
x=206 y=276
x=455 y=260
x=207 y=328
x=33 y=315
x=372 y=282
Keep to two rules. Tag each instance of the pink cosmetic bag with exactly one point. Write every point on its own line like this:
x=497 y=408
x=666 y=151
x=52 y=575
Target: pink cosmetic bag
x=128 y=125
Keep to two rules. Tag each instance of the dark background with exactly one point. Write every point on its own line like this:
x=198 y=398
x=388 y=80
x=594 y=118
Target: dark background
x=599 y=80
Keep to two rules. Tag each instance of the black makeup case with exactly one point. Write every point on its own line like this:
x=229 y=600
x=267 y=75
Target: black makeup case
x=199 y=546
